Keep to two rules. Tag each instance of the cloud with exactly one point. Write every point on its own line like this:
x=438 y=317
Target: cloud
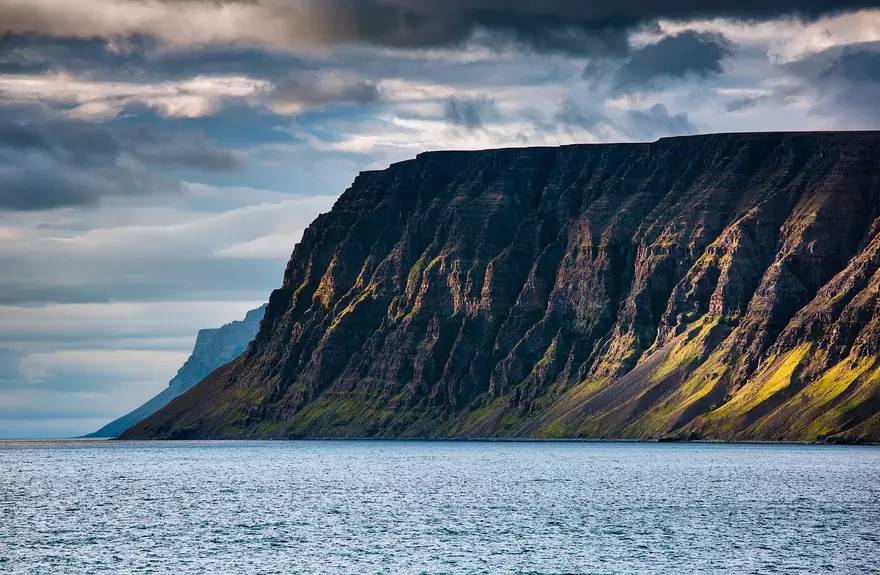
x=313 y=89
x=207 y=256
x=656 y=121
x=164 y=325
x=552 y=25
x=139 y=59
x=572 y=117
x=469 y=113
x=80 y=97
x=745 y=102
x=49 y=161
x=272 y=246
x=778 y=95
x=28 y=411
x=81 y=143
x=36 y=182
x=9 y=367
x=843 y=82
x=687 y=54
x=90 y=369
x=102 y=99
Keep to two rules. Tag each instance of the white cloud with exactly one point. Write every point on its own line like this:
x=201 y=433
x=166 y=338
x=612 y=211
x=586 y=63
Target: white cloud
x=96 y=99
x=202 y=234
x=785 y=40
x=118 y=364
x=77 y=324
x=202 y=95
x=182 y=23
x=270 y=246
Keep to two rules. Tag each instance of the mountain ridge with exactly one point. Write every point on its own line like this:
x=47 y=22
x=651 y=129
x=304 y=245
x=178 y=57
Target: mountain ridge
x=705 y=287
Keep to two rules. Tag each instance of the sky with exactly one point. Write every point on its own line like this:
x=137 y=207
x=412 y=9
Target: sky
x=159 y=159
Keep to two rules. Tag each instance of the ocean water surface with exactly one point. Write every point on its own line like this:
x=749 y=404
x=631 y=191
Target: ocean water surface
x=437 y=507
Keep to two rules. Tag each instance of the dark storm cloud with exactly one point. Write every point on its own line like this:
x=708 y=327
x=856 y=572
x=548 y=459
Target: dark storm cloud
x=552 y=25
x=688 y=54
x=48 y=162
x=857 y=63
x=845 y=81
x=853 y=80
x=83 y=143
x=26 y=184
x=469 y=113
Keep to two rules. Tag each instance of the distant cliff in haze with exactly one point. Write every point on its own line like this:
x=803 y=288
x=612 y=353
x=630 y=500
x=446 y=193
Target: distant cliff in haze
x=213 y=348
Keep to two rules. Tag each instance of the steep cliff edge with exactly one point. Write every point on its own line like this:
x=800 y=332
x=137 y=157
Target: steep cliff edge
x=214 y=347
x=721 y=286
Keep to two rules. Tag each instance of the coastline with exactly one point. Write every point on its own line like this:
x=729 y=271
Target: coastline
x=438 y=440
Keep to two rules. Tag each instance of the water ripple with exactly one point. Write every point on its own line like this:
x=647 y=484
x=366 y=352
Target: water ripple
x=437 y=507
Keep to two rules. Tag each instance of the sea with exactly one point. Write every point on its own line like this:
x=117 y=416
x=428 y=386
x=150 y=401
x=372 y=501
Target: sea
x=400 y=507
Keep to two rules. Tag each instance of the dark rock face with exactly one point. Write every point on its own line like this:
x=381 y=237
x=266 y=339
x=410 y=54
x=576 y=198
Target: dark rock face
x=722 y=286
x=214 y=348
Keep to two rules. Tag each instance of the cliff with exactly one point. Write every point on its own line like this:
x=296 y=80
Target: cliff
x=213 y=348
x=718 y=287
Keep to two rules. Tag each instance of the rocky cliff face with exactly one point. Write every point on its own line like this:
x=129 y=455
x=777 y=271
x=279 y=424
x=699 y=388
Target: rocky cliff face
x=721 y=286
x=213 y=348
